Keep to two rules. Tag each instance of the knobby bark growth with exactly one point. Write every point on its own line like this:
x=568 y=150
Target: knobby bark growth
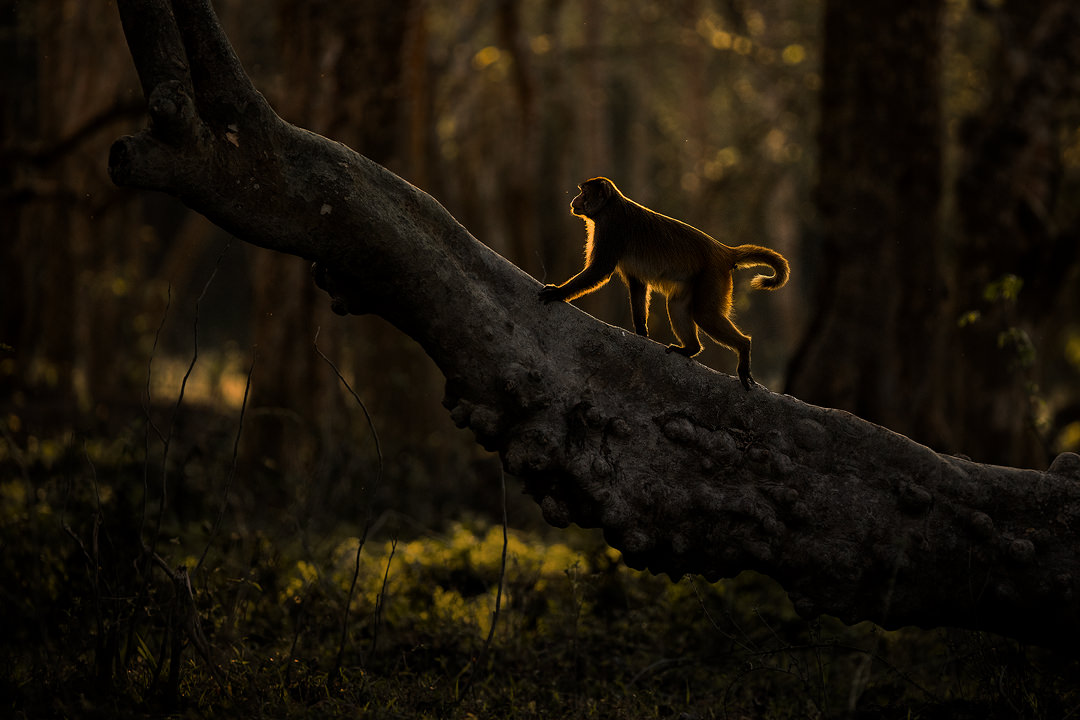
x=684 y=470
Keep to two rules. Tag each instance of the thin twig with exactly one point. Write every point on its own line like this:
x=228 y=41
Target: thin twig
x=367 y=415
x=380 y=599
x=730 y=636
x=232 y=468
x=186 y=616
x=502 y=568
x=150 y=425
x=481 y=657
x=370 y=508
x=150 y=549
x=142 y=589
x=180 y=398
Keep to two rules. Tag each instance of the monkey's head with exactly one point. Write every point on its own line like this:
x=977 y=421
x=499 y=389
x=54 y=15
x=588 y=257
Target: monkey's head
x=594 y=196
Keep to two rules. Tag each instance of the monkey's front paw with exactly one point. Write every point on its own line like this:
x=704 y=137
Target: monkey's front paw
x=551 y=293
x=747 y=381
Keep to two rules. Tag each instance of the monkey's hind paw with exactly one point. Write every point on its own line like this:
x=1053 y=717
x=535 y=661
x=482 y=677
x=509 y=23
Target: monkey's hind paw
x=748 y=381
x=683 y=350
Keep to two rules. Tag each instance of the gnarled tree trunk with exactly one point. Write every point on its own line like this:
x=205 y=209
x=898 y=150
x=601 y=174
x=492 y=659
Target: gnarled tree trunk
x=683 y=470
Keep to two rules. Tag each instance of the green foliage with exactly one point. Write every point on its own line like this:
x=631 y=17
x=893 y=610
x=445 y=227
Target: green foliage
x=1005 y=289
x=1001 y=297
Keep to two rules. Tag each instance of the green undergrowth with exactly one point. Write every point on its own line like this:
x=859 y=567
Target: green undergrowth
x=113 y=608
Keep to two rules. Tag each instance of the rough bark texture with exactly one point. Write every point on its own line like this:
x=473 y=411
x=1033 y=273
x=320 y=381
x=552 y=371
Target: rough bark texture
x=684 y=471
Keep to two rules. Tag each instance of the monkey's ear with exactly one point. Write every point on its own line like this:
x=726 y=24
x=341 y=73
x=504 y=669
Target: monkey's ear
x=597 y=192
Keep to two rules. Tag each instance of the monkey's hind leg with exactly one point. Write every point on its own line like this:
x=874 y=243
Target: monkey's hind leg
x=710 y=313
x=723 y=331
x=682 y=323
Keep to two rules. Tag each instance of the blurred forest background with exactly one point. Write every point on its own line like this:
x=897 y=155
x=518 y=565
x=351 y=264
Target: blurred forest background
x=918 y=161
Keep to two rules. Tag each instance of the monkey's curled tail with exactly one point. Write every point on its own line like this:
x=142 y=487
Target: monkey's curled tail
x=751 y=255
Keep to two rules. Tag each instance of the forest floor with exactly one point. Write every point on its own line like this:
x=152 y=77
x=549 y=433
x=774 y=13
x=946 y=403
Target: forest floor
x=224 y=603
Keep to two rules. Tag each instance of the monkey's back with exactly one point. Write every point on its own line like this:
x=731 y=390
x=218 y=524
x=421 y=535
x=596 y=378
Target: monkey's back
x=664 y=252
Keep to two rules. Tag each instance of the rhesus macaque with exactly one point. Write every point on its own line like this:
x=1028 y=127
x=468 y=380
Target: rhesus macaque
x=651 y=252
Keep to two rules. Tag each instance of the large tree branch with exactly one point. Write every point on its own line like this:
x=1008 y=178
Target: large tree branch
x=683 y=470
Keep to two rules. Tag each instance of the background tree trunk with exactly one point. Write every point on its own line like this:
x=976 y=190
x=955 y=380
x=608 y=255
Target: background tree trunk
x=62 y=296
x=875 y=345
x=932 y=324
